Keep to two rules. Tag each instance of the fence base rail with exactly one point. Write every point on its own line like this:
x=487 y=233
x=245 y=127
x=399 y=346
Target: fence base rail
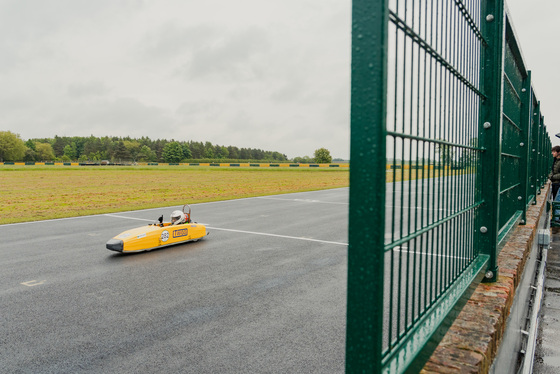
x=413 y=352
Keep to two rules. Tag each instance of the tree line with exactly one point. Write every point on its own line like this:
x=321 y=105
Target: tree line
x=127 y=149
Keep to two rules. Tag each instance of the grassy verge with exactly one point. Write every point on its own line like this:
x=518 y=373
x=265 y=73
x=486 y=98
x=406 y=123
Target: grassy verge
x=411 y=174
x=48 y=192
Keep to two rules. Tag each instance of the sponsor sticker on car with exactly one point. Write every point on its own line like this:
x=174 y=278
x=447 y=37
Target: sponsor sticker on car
x=164 y=236
x=180 y=233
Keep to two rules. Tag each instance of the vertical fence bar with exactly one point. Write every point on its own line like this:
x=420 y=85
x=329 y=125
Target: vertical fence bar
x=533 y=190
x=547 y=157
x=536 y=146
x=526 y=109
x=540 y=147
x=367 y=194
x=546 y=153
x=490 y=126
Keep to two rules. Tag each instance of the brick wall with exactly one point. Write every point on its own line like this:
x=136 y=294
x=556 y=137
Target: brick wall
x=472 y=342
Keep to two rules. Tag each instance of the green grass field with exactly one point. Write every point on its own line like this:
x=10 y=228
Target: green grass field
x=47 y=192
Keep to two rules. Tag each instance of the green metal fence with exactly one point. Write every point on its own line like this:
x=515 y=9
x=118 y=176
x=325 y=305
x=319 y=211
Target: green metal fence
x=440 y=92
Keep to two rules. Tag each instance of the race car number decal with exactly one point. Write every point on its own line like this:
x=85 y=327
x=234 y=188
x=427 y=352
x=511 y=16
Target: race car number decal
x=164 y=236
x=179 y=233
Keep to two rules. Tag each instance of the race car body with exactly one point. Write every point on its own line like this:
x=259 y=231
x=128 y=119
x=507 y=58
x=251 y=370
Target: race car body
x=157 y=235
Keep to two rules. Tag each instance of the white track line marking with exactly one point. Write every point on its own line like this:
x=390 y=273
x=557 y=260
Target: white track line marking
x=414 y=253
x=278 y=236
x=242 y=231
x=46 y=220
x=136 y=219
x=32 y=283
x=300 y=200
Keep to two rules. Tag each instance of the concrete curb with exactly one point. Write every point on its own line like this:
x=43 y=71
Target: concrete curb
x=472 y=342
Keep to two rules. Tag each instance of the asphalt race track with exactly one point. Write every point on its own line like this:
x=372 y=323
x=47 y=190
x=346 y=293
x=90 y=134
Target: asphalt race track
x=265 y=292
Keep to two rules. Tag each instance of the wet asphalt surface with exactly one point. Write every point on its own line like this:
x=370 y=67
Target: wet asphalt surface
x=265 y=292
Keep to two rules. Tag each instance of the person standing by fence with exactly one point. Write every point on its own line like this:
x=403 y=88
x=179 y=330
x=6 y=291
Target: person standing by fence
x=555 y=172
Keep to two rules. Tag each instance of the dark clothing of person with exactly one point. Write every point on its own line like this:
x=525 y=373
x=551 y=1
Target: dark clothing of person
x=555 y=188
x=555 y=177
x=555 y=172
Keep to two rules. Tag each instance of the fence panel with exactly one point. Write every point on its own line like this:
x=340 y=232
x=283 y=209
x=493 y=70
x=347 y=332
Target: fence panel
x=428 y=82
x=513 y=180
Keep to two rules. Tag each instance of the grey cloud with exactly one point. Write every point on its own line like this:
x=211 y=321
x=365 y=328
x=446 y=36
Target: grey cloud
x=202 y=112
x=49 y=15
x=126 y=110
x=243 y=129
x=175 y=41
x=91 y=115
x=229 y=55
x=80 y=90
x=29 y=20
x=30 y=31
x=288 y=91
x=123 y=116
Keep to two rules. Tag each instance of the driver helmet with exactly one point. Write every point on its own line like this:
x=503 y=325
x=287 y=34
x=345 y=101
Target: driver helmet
x=177 y=217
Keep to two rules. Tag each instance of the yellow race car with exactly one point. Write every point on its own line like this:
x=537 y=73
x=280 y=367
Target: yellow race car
x=181 y=229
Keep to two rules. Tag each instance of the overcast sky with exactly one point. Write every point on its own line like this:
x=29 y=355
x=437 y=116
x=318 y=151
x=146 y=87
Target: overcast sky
x=263 y=74
x=537 y=26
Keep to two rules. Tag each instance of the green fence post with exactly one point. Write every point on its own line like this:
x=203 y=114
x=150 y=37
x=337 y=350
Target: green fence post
x=548 y=157
x=526 y=109
x=533 y=148
x=546 y=153
x=537 y=145
x=540 y=151
x=490 y=126
x=367 y=187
